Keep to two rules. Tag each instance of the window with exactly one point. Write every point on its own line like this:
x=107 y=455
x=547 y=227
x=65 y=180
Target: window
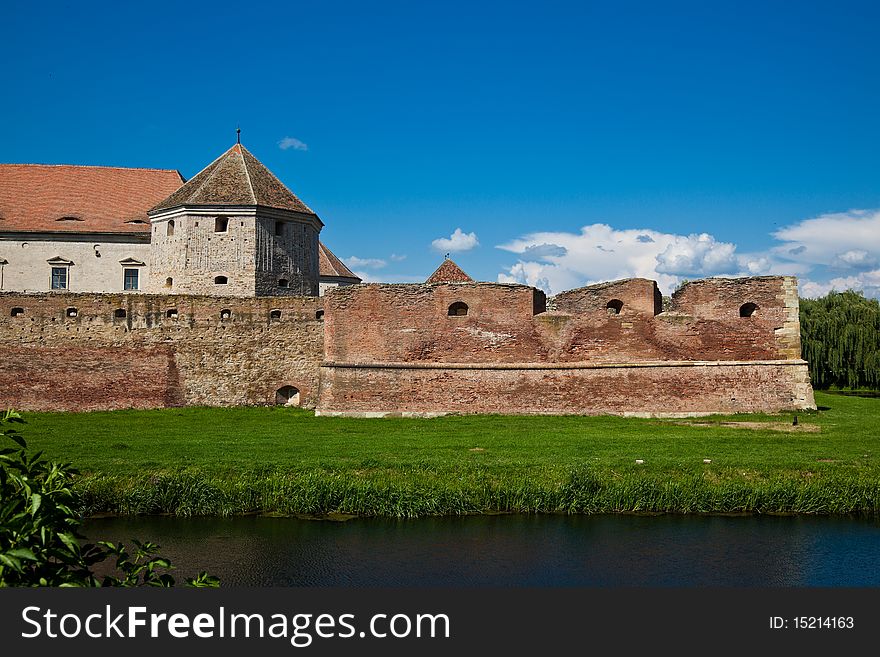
x=458 y=309
x=748 y=309
x=226 y=314
x=275 y=314
x=614 y=307
x=279 y=228
x=221 y=280
x=129 y=279
x=283 y=282
x=287 y=396
x=71 y=312
x=221 y=224
x=169 y=229
x=119 y=313
x=171 y=313
x=319 y=315
x=59 y=278
x=169 y=282
x=17 y=312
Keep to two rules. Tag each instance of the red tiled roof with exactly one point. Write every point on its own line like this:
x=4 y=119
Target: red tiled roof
x=331 y=266
x=449 y=272
x=73 y=198
x=235 y=178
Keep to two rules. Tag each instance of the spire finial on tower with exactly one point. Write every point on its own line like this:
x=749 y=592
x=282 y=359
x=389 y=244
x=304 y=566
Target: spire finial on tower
x=238 y=134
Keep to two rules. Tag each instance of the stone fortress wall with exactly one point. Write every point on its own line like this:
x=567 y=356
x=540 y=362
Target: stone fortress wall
x=79 y=352
x=723 y=345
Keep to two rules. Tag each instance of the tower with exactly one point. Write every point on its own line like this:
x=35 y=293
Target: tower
x=234 y=229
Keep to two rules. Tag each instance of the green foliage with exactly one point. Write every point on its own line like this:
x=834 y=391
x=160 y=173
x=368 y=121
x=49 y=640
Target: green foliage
x=840 y=338
x=402 y=467
x=39 y=538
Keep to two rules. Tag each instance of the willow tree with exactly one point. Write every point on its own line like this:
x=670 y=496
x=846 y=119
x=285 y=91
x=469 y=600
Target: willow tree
x=840 y=337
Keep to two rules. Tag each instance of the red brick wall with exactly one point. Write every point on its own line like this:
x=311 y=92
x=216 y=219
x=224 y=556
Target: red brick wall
x=406 y=329
x=655 y=390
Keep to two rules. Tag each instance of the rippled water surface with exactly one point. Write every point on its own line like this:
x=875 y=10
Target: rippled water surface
x=515 y=550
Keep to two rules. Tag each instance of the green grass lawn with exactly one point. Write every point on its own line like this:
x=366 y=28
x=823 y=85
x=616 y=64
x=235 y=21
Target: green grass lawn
x=240 y=460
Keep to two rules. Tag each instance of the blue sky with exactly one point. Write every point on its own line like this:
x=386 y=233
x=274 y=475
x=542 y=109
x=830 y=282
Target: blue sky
x=549 y=143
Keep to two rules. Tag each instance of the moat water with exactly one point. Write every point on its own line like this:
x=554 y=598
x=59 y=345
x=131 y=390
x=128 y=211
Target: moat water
x=516 y=550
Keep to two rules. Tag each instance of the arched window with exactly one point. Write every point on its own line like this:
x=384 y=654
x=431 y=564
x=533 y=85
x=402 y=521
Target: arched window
x=17 y=312
x=220 y=280
x=119 y=313
x=169 y=282
x=171 y=313
x=748 y=309
x=221 y=224
x=287 y=396
x=226 y=314
x=169 y=229
x=283 y=282
x=71 y=312
x=319 y=315
x=275 y=314
x=458 y=309
x=614 y=307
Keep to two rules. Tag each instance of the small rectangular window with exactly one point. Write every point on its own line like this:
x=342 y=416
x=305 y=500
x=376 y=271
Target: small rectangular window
x=59 y=278
x=279 y=228
x=130 y=279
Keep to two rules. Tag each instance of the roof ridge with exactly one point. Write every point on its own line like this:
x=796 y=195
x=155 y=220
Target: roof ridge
x=247 y=173
x=87 y=166
x=209 y=176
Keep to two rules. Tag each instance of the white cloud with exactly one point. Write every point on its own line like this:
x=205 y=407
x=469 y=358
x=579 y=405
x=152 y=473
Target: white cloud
x=397 y=258
x=294 y=143
x=370 y=263
x=842 y=240
x=457 y=242
x=557 y=261
x=867 y=282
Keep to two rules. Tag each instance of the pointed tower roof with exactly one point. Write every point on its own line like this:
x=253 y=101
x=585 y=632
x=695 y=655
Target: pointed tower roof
x=235 y=178
x=332 y=267
x=449 y=272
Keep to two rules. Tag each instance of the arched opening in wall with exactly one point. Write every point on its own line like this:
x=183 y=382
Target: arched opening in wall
x=457 y=309
x=226 y=314
x=319 y=315
x=221 y=224
x=221 y=280
x=169 y=229
x=119 y=313
x=748 y=309
x=283 y=282
x=171 y=313
x=614 y=307
x=287 y=396
x=275 y=315
x=17 y=312
x=169 y=282
x=279 y=228
x=71 y=312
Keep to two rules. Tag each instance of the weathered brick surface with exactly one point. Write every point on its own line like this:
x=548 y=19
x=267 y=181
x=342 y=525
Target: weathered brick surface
x=153 y=357
x=600 y=349
x=661 y=390
x=390 y=349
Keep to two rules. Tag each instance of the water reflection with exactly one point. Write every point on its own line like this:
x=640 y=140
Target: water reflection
x=516 y=550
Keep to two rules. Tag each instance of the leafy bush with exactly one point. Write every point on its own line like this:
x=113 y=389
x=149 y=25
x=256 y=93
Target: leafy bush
x=39 y=538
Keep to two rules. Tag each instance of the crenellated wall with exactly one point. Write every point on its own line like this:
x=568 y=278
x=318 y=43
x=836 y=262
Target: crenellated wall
x=397 y=349
x=108 y=351
x=723 y=345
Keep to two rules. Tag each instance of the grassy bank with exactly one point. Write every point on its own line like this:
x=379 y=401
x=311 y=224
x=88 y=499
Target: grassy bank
x=230 y=461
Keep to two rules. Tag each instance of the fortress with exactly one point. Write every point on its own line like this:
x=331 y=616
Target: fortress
x=132 y=288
